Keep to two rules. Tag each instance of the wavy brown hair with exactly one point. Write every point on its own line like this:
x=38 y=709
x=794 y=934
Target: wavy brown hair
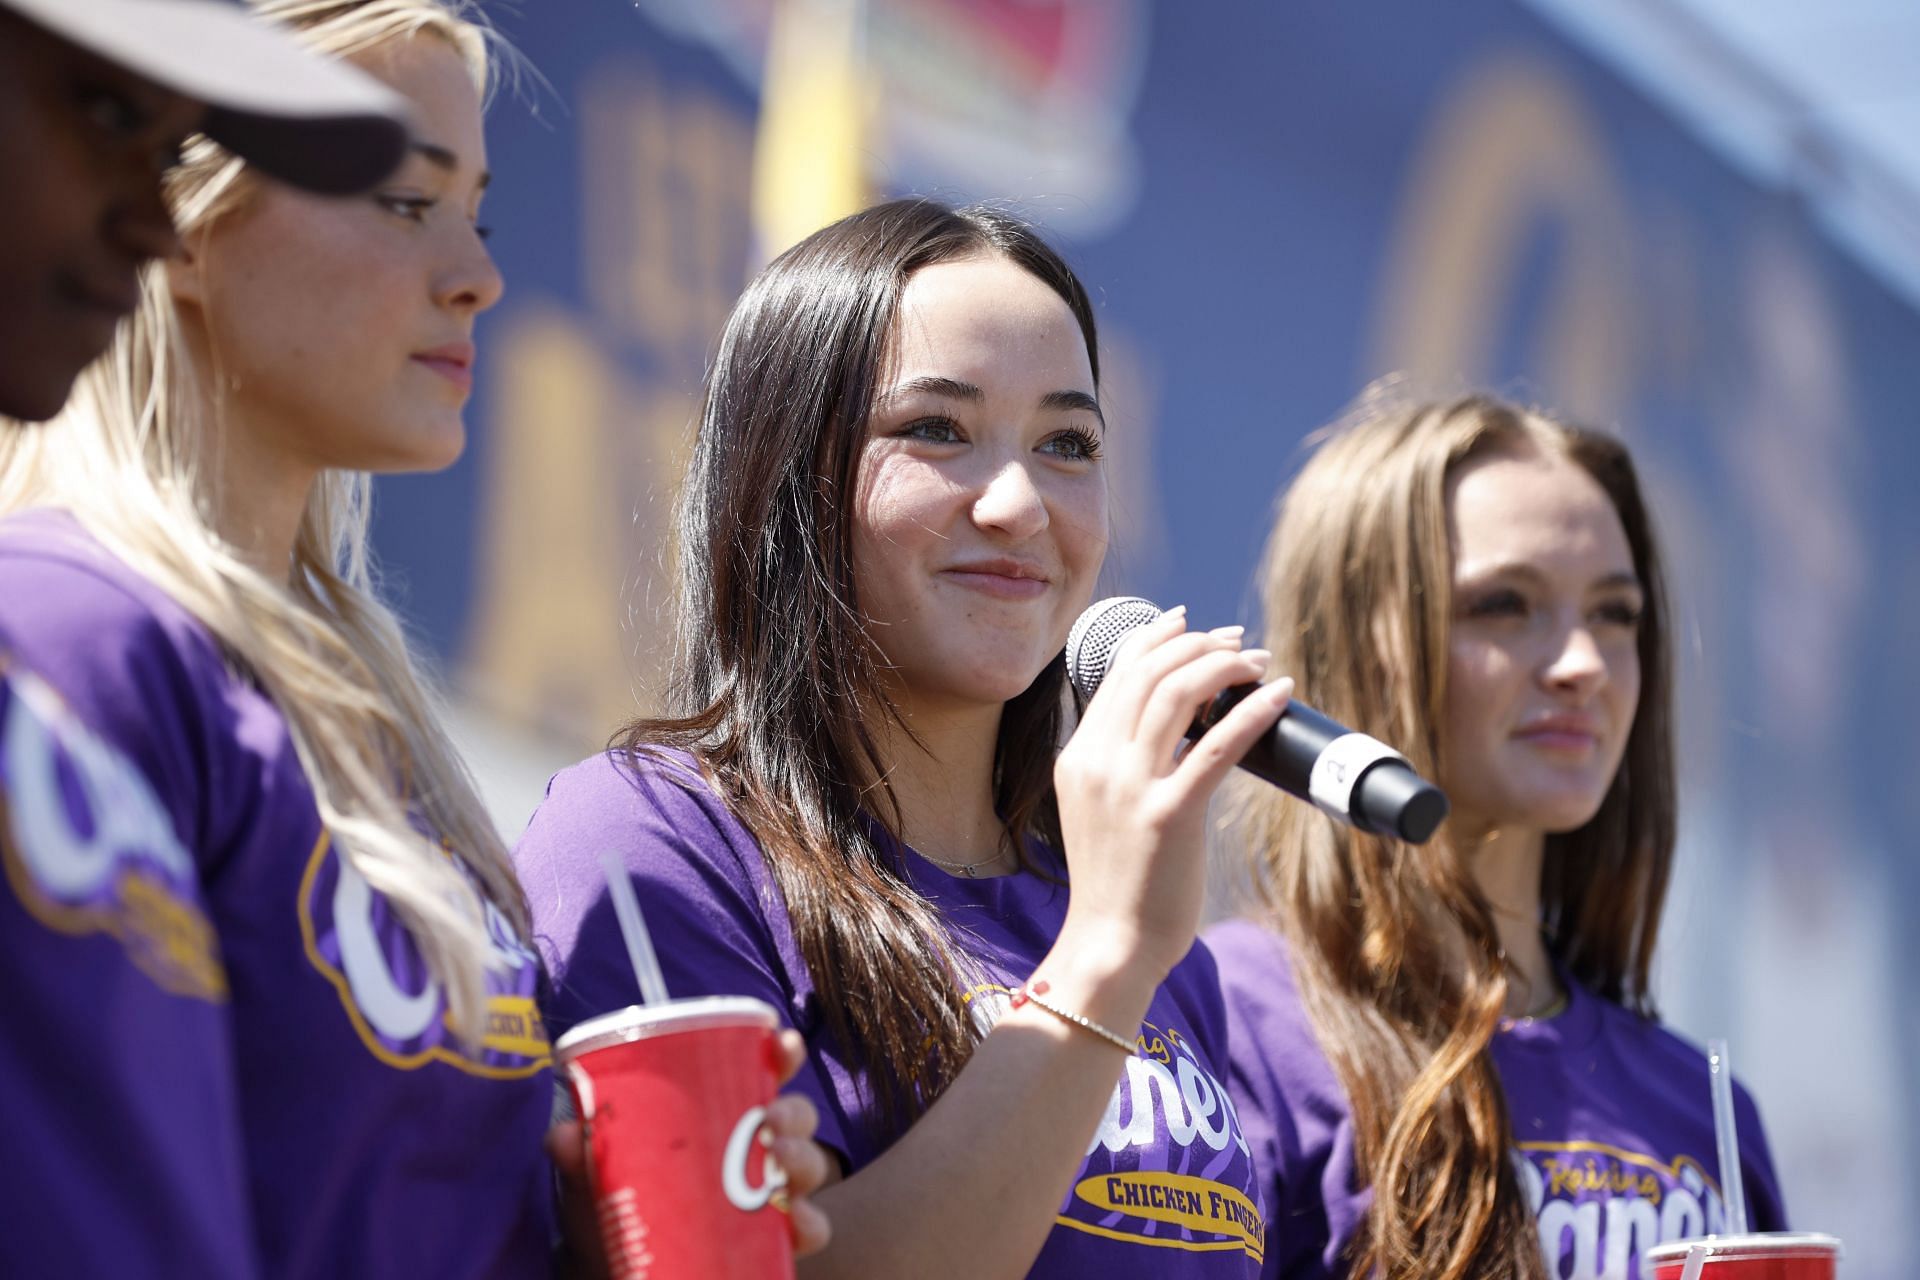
x=1394 y=946
x=778 y=688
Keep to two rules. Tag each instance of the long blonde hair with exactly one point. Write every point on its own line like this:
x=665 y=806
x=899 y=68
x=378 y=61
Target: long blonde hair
x=1394 y=946
x=134 y=457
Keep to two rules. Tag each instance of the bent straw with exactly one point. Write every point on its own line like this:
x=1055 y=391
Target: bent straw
x=1696 y=1259
x=633 y=927
x=1732 y=1189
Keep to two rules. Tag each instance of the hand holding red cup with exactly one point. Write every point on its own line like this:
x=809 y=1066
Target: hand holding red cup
x=687 y=1164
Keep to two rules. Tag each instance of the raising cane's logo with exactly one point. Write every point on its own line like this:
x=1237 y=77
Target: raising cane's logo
x=633 y=1251
x=1599 y=1208
x=736 y=1178
x=1169 y=1166
x=89 y=848
x=359 y=943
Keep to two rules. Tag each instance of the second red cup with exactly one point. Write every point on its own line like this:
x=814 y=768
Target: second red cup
x=674 y=1101
x=1763 y=1255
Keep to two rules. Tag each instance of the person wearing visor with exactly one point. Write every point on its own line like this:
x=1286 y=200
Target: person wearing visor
x=96 y=99
x=271 y=998
x=129 y=1164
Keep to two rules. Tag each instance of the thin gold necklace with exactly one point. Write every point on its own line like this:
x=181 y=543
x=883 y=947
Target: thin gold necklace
x=1554 y=1008
x=971 y=870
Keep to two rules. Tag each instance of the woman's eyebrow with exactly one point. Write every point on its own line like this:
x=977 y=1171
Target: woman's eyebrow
x=1073 y=400
x=444 y=158
x=945 y=388
x=1532 y=575
x=955 y=389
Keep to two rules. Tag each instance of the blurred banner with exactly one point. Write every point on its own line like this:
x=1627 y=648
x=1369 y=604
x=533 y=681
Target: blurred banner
x=1271 y=204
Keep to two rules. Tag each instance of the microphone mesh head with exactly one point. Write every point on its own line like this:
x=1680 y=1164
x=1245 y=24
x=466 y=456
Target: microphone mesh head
x=1098 y=632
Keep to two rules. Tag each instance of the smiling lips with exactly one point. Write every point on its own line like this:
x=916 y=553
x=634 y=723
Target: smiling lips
x=1570 y=734
x=1001 y=579
x=454 y=362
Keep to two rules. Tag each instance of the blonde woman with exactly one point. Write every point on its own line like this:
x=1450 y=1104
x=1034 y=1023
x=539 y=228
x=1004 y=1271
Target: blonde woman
x=271 y=1005
x=1446 y=1055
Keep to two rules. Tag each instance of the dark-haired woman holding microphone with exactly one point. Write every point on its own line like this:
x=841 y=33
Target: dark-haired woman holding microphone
x=896 y=510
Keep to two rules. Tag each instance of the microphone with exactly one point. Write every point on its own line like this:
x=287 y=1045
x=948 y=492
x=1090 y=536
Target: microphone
x=1357 y=779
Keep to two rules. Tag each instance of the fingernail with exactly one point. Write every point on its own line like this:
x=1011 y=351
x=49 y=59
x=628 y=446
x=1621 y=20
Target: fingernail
x=1178 y=611
x=1284 y=685
x=1228 y=633
x=1260 y=657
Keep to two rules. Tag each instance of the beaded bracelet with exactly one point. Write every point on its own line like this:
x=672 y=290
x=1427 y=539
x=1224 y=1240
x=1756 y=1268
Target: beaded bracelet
x=1032 y=993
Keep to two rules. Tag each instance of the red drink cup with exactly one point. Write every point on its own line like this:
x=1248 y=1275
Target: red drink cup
x=674 y=1099
x=1763 y=1255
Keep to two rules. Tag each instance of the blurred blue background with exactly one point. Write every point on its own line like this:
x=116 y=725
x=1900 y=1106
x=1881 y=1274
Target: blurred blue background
x=1693 y=223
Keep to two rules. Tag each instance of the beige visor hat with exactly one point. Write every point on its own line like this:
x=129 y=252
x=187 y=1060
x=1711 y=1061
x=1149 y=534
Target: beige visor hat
x=301 y=117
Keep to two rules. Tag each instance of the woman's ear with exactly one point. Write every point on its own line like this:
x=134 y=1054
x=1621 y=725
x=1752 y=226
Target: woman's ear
x=186 y=275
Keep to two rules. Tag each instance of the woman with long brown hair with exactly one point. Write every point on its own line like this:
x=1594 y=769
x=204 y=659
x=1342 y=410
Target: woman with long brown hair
x=1446 y=1055
x=896 y=509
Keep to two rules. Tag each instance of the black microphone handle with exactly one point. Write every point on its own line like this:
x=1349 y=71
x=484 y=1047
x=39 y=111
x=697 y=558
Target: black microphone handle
x=1388 y=798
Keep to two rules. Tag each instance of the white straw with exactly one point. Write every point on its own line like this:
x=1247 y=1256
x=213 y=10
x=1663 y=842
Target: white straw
x=1696 y=1259
x=1732 y=1188
x=646 y=966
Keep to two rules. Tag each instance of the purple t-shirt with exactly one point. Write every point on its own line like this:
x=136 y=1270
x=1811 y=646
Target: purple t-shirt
x=1167 y=1185
x=223 y=1056
x=1612 y=1120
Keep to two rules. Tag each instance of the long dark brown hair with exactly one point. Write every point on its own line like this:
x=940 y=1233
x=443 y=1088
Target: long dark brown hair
x=778 y=688
x=1394 y=946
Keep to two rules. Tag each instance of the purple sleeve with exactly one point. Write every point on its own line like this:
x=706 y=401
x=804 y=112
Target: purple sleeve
x=715 y=916
x=117 y=1089
x=1291 y=1106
